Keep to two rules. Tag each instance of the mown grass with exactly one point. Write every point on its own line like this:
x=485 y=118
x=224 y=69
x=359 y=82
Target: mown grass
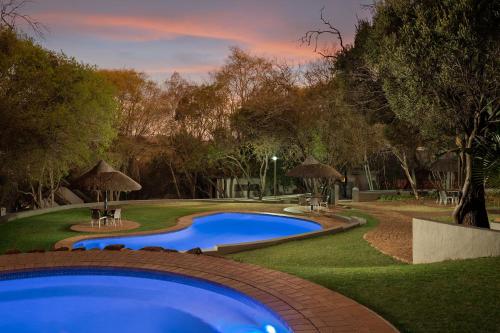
x=454 y=296
x=449 y=219
x=43 y=231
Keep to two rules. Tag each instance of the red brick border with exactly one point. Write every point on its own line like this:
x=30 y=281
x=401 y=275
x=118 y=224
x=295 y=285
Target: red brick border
x=305 y=306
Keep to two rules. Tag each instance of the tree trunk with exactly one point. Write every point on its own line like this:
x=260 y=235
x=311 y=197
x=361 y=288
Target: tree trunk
x=412 y=181
x=404 y=165
x=174 y=180
x=345 y=183
x=471 y=208
x=263 y=173
x=40 y=195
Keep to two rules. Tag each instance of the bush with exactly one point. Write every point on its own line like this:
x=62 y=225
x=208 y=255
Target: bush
x=396 y=197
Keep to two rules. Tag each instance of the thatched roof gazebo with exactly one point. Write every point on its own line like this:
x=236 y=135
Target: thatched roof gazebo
x=103 y=177
x=311 y=168
x=314 y=172
x=90 y=179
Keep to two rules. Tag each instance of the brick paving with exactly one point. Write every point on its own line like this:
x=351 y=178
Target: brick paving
x=305 y=306
x=394 y=235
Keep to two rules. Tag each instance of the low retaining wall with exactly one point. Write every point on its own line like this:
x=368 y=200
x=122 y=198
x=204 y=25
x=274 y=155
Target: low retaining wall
x=363 y=196
x=28 y=213
x=233 y=248
x=438 y=241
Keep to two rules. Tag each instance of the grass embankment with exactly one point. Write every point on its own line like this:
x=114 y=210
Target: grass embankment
x=454 y=296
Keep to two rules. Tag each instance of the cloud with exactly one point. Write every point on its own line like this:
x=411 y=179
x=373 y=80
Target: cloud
x=193 y=69
x=146 y=29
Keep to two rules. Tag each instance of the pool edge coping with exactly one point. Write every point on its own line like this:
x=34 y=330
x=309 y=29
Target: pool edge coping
x=303 y=305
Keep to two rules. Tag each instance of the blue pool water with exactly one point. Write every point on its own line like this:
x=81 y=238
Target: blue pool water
x=206 y=232
x=115 y=300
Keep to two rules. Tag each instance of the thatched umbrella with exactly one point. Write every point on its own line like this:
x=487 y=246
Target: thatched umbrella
x=103 y=177
x=90 y=179
x=311 y=168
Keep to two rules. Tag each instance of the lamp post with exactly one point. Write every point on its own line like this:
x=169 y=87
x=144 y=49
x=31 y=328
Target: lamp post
x=274 y=158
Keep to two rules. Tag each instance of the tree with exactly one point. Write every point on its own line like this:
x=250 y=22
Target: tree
x=45 y=98
x=264 y=148
x=440 y=63
x=142 y=114
x=242 y=76
x=11 y=14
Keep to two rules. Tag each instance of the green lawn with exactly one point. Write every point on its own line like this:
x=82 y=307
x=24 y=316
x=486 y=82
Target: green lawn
x=454 y=296
x=43 y=231
x=449 y=219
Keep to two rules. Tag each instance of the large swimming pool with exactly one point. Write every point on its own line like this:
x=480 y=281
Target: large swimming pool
x=116 y=300
x=208 y=231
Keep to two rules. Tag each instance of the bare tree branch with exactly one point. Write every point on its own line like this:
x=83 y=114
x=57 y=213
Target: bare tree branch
x=311 y=37
x=11 y=16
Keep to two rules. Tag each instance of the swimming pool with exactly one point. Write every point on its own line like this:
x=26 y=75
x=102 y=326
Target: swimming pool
x=206 y=232
x=120 y=300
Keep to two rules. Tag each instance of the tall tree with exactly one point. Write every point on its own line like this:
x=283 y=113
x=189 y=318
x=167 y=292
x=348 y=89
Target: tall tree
x=142 y=114
x=440 y=63
x=55 y=112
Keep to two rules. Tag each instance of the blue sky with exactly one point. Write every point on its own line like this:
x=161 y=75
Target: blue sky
x=189 y=36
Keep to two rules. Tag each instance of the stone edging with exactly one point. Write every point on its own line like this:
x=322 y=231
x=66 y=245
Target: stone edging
x=305 y=306
x=330 y=227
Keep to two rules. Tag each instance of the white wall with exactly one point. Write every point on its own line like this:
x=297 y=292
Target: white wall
x=437 y=241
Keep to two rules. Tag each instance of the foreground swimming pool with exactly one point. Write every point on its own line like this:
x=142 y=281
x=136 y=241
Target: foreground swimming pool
x=116 y=300
x=208 y=231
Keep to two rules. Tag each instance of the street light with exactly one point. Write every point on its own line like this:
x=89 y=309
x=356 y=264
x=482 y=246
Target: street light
x=274 y=158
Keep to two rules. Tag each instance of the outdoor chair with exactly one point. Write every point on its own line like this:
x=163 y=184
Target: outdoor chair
x=315 y=203
x=325 y=202
x=303 y=200
x=445 y=198
x=96 y=217
x=117 y=216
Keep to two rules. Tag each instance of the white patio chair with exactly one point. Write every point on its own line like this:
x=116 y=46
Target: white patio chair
x=324 y=203
x=117 y=216
x=445 y=198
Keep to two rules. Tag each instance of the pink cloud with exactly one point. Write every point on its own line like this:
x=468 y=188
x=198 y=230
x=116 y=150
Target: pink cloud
x=134 y=28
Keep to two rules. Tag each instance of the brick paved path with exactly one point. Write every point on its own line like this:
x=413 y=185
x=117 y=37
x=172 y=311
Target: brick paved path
x=305 y=306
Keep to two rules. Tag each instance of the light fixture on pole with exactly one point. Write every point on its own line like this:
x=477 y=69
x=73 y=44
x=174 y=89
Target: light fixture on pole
x=274 y=158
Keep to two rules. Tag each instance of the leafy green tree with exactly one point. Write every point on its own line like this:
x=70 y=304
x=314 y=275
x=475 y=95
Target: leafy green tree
x=440 y=62
x=55 y=113
x=142 y=114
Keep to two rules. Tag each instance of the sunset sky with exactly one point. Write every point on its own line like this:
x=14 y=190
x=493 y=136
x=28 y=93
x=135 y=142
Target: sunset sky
x=189 y=36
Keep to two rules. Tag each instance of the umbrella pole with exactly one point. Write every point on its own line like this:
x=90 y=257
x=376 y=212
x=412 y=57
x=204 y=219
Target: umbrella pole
x=106 y=200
